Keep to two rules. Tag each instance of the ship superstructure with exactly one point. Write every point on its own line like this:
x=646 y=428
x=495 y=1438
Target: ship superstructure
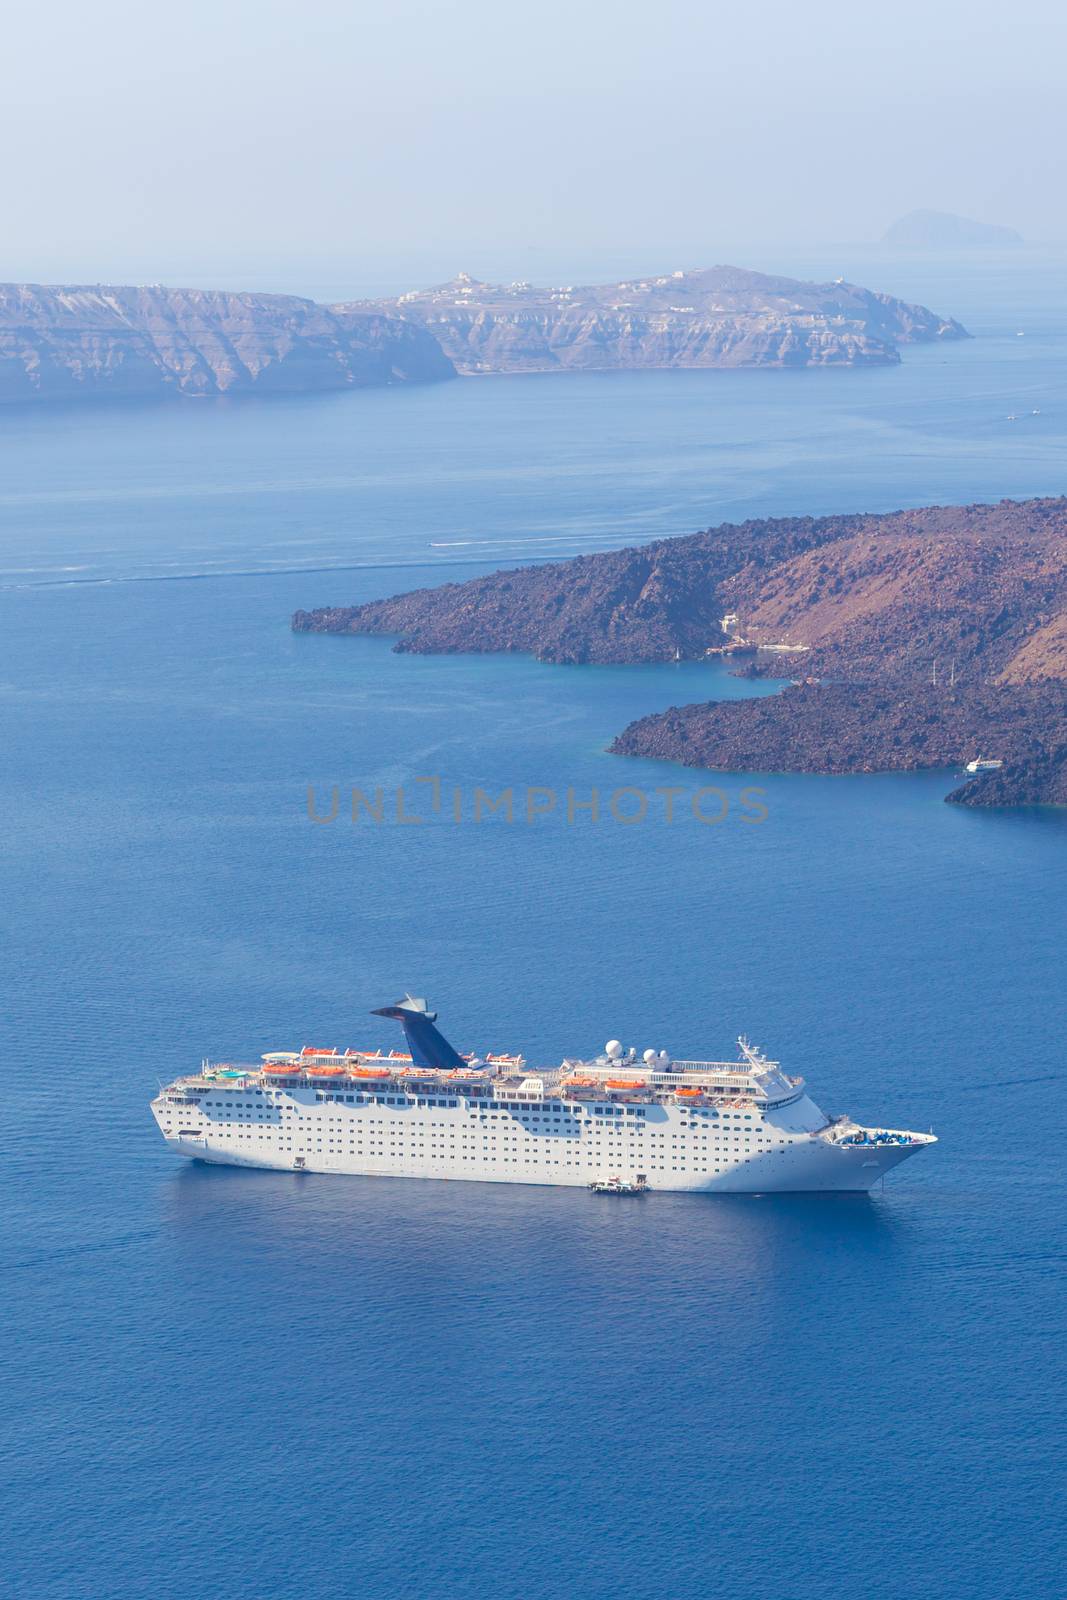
x=428 y=1112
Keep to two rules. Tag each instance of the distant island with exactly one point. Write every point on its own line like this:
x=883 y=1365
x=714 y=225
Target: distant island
x=919 y=639
x=715 y=317
x=70 y=343
x=941 y=230
x=103 y=341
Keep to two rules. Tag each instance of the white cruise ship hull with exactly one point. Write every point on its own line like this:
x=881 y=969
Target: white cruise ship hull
x=796 y=1162
x=734 y=1128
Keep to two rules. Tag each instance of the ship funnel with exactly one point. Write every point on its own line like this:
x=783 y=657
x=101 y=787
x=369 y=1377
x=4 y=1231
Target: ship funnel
x=428 y=1047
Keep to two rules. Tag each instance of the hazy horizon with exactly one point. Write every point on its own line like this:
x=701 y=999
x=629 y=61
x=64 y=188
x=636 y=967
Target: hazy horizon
x=409 y=141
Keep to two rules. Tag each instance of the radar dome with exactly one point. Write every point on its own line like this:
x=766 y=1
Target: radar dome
x=613 y=1048
x=649 y=1056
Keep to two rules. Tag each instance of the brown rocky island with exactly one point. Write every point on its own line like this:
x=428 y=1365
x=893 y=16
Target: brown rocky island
x=920 y=639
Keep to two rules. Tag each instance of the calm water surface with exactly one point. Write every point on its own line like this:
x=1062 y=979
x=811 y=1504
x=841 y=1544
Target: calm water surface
x=247 y=1384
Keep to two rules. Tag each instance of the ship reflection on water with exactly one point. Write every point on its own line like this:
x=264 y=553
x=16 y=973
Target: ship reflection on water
x=409 y=1237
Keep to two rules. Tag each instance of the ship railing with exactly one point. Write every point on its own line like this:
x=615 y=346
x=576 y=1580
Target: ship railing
x=721 y=1069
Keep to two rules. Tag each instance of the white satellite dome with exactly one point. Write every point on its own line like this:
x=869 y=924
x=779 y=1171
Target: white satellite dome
x=650 y=1057
x=613 y=1048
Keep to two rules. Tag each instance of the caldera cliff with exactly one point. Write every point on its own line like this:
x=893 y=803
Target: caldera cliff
x=713 y=317
x=71 y=343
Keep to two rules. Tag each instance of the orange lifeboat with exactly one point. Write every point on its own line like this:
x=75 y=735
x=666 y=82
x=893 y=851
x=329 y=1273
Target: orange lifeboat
x=624 y=1083
x=281 y=1072
x=314 y=1050
x=689 y=1094
x=326 y=1072
x=369 y=1072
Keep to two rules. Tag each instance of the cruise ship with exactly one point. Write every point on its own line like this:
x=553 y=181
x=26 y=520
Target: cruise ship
x=639 y=1122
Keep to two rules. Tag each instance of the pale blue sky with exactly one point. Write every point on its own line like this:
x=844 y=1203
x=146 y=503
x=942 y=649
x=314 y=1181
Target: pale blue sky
x=255 y=142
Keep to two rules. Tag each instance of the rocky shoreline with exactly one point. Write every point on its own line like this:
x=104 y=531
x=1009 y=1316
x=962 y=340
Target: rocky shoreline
x=854 y=728
x=919 y=639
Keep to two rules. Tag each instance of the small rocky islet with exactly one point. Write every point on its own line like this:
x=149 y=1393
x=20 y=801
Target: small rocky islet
x=920 y=639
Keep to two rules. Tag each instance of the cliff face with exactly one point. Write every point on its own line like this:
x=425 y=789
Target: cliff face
x=718 y=317
x=93 y=342
x=71 y=343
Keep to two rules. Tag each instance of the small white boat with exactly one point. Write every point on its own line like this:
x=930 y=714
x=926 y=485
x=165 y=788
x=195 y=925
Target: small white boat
x=619 y=1186
x=984 y=766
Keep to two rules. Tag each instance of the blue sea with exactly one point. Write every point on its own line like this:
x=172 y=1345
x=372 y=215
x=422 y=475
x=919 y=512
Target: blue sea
x=246 y=1384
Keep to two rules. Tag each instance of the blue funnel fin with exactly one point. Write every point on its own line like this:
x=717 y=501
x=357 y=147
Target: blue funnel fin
x=428 y=1047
